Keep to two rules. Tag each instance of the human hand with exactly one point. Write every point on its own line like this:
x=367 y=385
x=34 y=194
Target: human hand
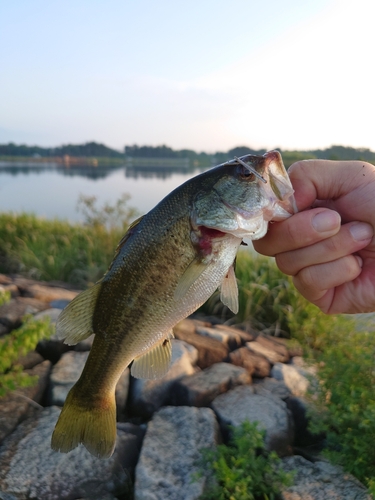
x=329 y=249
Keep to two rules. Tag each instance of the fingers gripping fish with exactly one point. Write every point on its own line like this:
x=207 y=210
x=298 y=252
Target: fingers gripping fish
x=167 y=265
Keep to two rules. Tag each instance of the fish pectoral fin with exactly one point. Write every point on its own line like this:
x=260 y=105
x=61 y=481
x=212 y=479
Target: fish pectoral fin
x=190 y=276
x=229 y=291
x=155 y=362
x=75 y=322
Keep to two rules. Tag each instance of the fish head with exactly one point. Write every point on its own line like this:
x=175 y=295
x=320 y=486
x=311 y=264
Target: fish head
x=242 y=196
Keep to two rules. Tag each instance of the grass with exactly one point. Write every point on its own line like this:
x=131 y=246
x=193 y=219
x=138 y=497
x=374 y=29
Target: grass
x=58 y=250
x=243 y=469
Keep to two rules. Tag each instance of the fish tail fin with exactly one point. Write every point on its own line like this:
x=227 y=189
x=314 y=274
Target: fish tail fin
x=93 y=425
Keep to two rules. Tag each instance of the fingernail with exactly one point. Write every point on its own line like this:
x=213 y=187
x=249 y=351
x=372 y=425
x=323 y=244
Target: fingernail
x=361 y=231
x=359 y=260
x=326 y=221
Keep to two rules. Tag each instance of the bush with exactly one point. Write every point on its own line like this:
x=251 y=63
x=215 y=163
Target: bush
x=243 y=470
x=345 y=409
x=16 y=344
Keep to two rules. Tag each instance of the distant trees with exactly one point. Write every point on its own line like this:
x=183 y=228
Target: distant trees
x=97 y=150
x=90 y=149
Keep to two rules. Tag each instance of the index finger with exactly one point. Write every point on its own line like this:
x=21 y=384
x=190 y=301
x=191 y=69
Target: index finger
x=299 y=230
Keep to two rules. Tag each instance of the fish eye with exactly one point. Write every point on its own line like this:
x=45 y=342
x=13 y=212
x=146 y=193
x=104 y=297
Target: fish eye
x=245 y=174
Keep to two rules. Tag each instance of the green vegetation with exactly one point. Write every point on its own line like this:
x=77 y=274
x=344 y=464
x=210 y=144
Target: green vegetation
x=4 y=296
x=58 y=250
x=103 y=154
x=345 y=409
x=16 y=344
x=243 y=469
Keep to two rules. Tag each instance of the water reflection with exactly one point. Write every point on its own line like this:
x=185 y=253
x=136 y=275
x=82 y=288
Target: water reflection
x=90 y=172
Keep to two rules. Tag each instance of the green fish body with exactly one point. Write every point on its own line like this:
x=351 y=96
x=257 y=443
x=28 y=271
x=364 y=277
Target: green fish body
x=166 y=266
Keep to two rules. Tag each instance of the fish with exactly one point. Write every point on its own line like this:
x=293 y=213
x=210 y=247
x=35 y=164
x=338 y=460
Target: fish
x=169 y=262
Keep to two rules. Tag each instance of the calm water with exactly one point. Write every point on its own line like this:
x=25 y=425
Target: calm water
x=53 y=191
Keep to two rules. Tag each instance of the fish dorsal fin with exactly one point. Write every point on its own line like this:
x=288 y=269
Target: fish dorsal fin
x=75 y=322
x=190 y=276
x=229 y=291
x=127 y=235
x=155 y=362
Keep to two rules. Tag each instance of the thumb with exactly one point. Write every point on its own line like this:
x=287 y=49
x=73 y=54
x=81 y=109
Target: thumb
x=328 y=180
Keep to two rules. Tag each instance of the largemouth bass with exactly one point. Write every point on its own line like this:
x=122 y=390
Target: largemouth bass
x=167 y=265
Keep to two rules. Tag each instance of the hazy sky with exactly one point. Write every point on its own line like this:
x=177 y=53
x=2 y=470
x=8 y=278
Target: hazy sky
x=202 y=74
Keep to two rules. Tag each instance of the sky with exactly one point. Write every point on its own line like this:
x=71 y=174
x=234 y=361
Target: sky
x=207 y=75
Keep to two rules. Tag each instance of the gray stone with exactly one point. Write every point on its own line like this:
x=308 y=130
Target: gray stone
x=147 y=396
x=210 y=351
x=29 y=468
x=18 y=404
x=267 y=352
x=231 y=338
x=255 y=364
x=237 y=332
x=52 y=314
x=275 y=344
x=241 y=404
x=321 y=480
x=202 y=387
x=49 y=293
x=171 y=452
x=12 y=312
x=292 y=377
x=272 y=387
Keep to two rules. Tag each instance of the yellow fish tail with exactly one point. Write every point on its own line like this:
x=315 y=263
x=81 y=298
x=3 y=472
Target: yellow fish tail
x=93 y=425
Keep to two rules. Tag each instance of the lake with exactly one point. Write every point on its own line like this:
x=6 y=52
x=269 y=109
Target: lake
x=51 y=190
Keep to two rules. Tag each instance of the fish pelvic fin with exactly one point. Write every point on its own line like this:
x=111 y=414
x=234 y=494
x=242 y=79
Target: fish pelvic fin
x=229 y=291
x=75 y=322
x=154 y=363
x=94 y=426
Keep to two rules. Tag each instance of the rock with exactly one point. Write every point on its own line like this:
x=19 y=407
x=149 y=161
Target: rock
x=245 y=336
x=210 y=351
x=267 y=351
x=185 y=326
x=48 y=293
x=202 y=387
x=52 y=314
x=230 y=338
x=147 y=396
x=240 y=404
x=17 y=405
x=274 y=344
x=11 y=313
x=171 y=452
x=12 y=288
x=299 y=408
x=68 y=370
x=292 y=378
x=272 y=387
x=255 y=364
x=59 y=304
x=31 y=359
x=321 y=480
x=29 y=468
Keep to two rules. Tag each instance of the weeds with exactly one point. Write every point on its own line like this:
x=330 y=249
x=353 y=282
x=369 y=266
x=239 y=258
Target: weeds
x=243 y=469
x=16 y=344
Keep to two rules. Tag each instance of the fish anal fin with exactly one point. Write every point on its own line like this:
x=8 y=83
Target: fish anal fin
x=75 y=322
x=190 y=276
x=154 y=363
x=94 y=426
x=229 y=291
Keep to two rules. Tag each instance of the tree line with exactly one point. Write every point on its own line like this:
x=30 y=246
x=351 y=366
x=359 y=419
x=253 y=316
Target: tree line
x=97 y=150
